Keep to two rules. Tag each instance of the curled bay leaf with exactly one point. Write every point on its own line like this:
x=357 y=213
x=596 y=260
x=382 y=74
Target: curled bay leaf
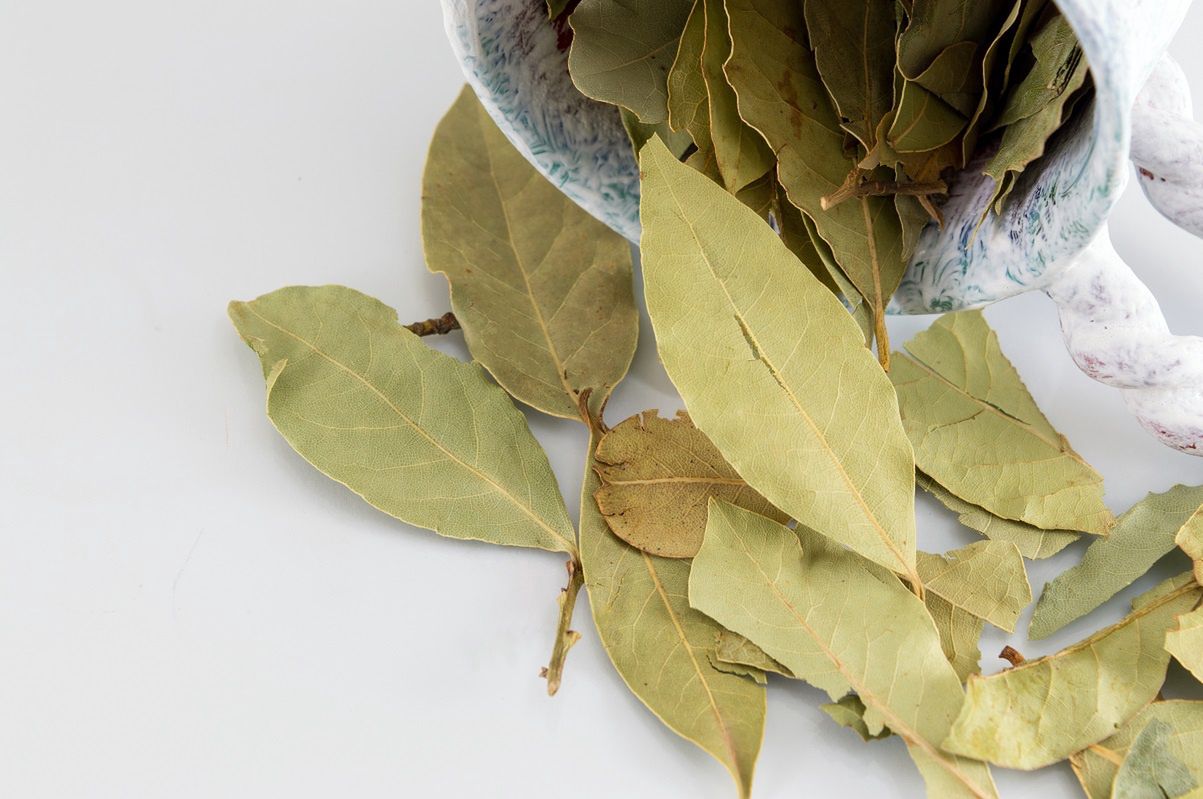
x=541 y=288
x=418 y=434
x=841 y=625
x=1096 y=766
x=1032 y=542
x=664 y=650
x=1140 y=538
x=977 y=431
x=733 y=648
x=688 y=101
x=621 y=52
x=1190 y=540
x=656 y=477
x=1151 y=770
x=762 y=352
x=1185 y=642
x=850 y=712
x=1045 y=710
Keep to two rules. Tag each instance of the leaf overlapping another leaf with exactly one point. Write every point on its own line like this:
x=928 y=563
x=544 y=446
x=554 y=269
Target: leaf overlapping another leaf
x=418 y=434
x=760 y=352
x=541 y=288
x=1096 y=767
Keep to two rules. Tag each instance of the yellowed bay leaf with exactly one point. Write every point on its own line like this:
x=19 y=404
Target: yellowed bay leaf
x=656 y=477
x=419 y=435
x=1045 y=710
x=1185 y=642
x=541 y=288
x=1032 y=542
x=664 y=649
x=1096 y=766
x=977 y=431
x=1190 y=540
x=761 y=352
x=986 y=579
x=734 y=649
x=1141 y=537
x=840 y=624
x=850 y=712
x=960 y=633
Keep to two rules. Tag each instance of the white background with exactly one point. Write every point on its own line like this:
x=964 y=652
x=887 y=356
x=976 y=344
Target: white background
x=187 y=609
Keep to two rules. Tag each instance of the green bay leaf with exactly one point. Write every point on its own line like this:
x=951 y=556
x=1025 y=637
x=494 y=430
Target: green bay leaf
x=923 y=121
x=622 y=50
x=1097 y=765
x=854 y=52
x=663 y=649
x=741 y=152
x=419 y=435
x=761 y=352
x=977 y=432
x=1032 y=542
x=639 y=133
x=819 y=611
x=656 y=478
x=688 y=101
x=1045 y=710
x=1140 y=538
x=1151 y=770
x=933 y=25
x=541 y=288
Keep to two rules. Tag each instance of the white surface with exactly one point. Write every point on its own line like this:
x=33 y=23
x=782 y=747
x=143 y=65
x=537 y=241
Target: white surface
x=186 y=608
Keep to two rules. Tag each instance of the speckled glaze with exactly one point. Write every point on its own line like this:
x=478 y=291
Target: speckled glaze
x=1051 y=237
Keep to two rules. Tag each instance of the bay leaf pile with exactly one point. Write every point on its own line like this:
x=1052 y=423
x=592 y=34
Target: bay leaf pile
x=789 y=152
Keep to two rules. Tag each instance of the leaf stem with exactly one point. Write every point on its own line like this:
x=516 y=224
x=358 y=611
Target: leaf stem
x=438 y=326
x=565 y=637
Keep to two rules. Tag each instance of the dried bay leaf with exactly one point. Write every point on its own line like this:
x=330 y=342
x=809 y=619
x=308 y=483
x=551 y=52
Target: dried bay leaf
x=781 y=94
x=1151 y=771
x=842 y=626
x=639 y=133
x=954 y=78
x=688 y=101
x=733 y=649
x=541 y=288
x=741 y=152
x=1045 y=710
x=656 y=477
x=1140 y=538
x=761 y=352
x=991 y=82
x=977 y=432
x=1190 y=540
x=960 y=633
x=1185 y=642
x=850 y=712
x=922 y=121
x=1032 y=542
x=1057 y=53
x=419 y=435
x=663 y=649
x=854 y=53
x=985 y=579
x=622 y=50
x=1096 y=766
x=933 y=25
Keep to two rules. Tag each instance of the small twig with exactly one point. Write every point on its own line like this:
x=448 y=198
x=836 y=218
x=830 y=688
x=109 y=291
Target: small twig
x=1012 y=656
x=439 y=326
x=565 y=637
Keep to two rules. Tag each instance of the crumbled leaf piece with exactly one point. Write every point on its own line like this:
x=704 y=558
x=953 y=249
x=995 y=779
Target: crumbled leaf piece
x=842 y=625
x=782 y=96
x=1151 y=771
x=1045 y=710
x=850 y=712
x=541 y=288
x=664 y=649
x=1032 y=542
x=639 y=133
x=1190 y=540
x=688 y=102
x=621 y=52
x=734 y=649
x=656 y=477
x=1140 y=538
x=419 y=435
x=960 y=634
x=762 y=352
x=1185 y=642
x=742 y=153
x=986 y=579
x=854 y=53
x=1096 y=766
x=977 y=431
